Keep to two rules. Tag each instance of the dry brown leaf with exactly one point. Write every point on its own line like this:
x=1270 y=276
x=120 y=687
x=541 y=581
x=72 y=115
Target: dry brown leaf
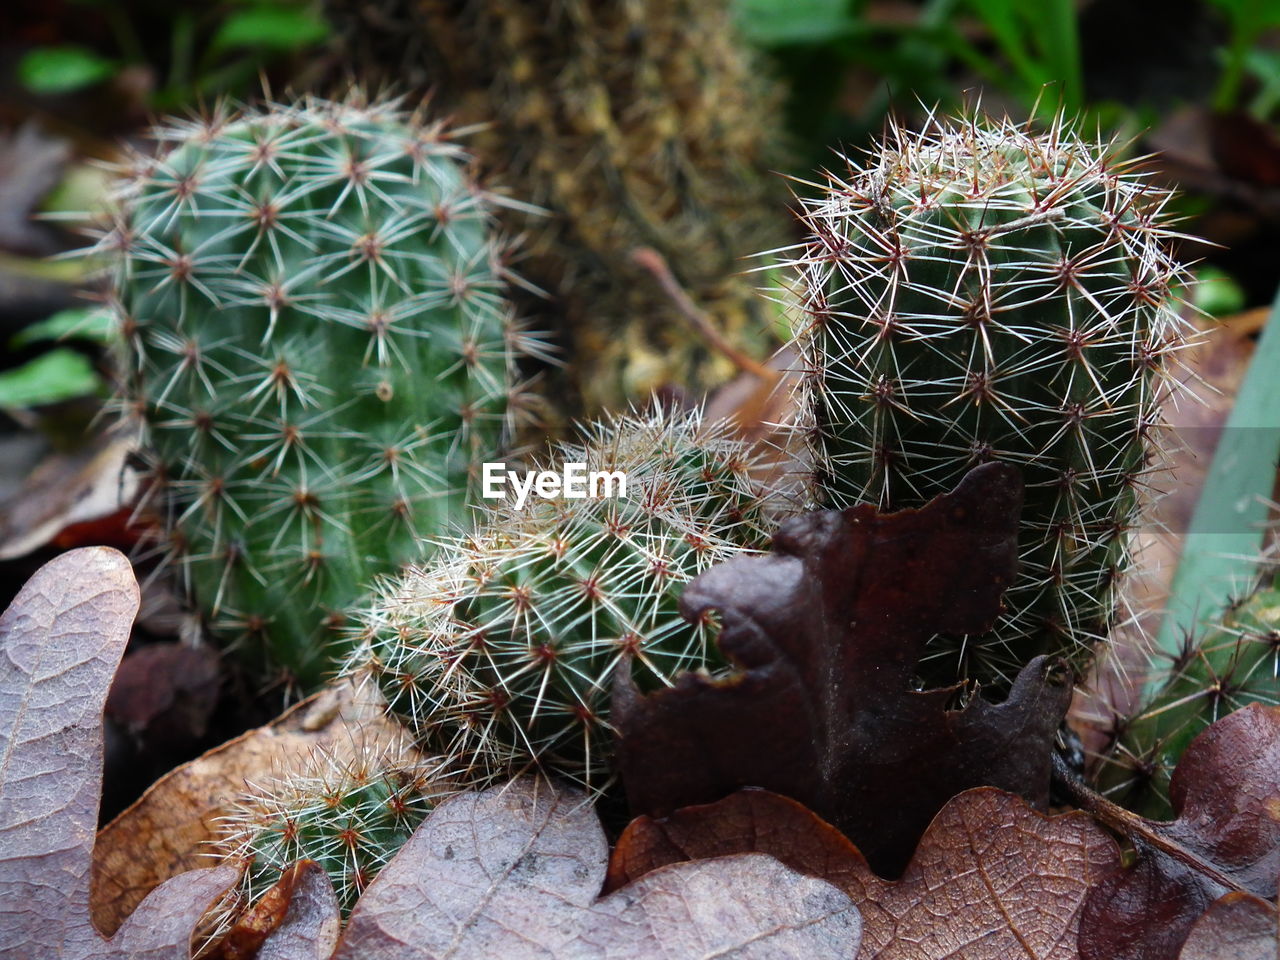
x=60 y=642
x=1225 y=793
x=67 y=489
x=166 y=832
x=297 y=919
x=1237 y=927
x=514 y=872
x=165 y=693
x=823 y=635
x=992 y=879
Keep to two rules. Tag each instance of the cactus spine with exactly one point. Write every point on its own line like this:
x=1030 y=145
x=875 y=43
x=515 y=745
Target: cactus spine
x=350 y=817
x=318 y=346
x=501 y=651
x=1216 y=672
x=978 y=291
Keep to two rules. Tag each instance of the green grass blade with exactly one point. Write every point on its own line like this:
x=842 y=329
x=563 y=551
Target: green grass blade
x=1220 y=551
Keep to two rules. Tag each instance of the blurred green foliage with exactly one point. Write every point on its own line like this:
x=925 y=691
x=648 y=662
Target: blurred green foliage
x=211 y=49
x=53 y=70
x=61 y=374
x=849 y=62
x=1249 y=20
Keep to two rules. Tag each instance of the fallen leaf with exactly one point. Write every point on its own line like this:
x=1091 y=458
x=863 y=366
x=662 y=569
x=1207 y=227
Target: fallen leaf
x=31 y=162
x=1236 y=927
x=60 y=642
x=825 y=633
x=514 y=871
x=992 y=879
x=168 y=830
x=165 y=693
x=748 y=821
x=71 y=494
x=297 y=919
x=1225 y=794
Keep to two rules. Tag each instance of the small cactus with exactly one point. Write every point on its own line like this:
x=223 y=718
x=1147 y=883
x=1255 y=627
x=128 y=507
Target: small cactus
x=501 y=650
x=978 y=291
x=349 y=816
x=1217 y=671
x=317 y=344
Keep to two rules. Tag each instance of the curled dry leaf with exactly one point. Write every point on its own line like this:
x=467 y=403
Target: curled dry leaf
x=514 y=872
x=1226 y=838
x=60 y=642
x=94 y=485
x=992 y=879
x=297 y=919
x=1236 y=927
x=826 y=633
x=167 y=831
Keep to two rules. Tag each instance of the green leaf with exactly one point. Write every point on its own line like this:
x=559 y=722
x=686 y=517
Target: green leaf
x=773 y=23
x=1222 y=546
x=1217 y=293
x=63 y=69
x=61 y=374
x=82 y=323
x=272 y=27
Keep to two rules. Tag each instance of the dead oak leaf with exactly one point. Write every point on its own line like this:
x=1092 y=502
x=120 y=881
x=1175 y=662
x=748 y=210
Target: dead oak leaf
x=60 y=642
x=992 y=879
x=1225 y=793
x=825 y=633
x=297 y=919
x=515 y=871
x=1236 y=927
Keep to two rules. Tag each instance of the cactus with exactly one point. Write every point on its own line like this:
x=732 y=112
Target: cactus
x=977 y=291
x=501 y=651
x=317 y=344
x=350 y=817
x=1217 y=671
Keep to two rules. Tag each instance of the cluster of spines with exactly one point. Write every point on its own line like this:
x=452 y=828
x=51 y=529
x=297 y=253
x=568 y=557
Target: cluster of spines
x=1216 y=671
x=501 y=651
x=318 y=345
x=979 y=291
x=348 y=815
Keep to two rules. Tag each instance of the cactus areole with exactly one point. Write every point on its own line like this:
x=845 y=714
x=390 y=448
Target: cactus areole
x=317 y=343
x=979 y=291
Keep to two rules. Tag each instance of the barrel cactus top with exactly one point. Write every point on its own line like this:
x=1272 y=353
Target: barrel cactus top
x=501 y=650
x=979 y=290
x=318 y=344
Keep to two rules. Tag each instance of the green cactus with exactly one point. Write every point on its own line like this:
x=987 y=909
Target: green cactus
x=501 y=651
x=977 y=291
x=1217 y=671
x=318 y=346
x=349 y=817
